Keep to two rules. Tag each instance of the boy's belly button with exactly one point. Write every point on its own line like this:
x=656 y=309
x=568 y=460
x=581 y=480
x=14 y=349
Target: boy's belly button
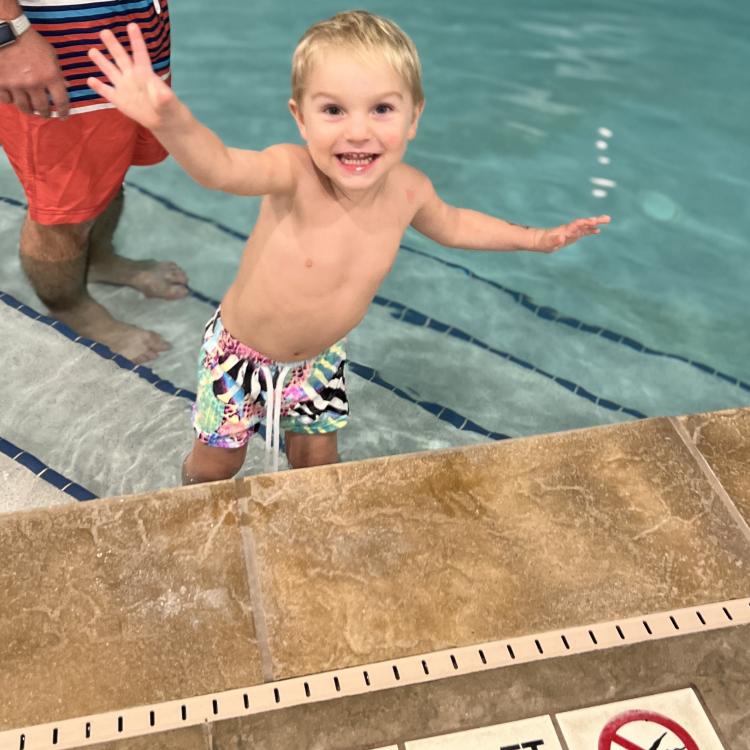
x=308 y=263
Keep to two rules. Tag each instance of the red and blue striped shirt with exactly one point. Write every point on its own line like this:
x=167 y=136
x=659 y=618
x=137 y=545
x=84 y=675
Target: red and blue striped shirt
x=73 y=26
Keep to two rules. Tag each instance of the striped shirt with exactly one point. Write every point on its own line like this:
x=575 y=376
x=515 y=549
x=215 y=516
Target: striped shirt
x=73 y=26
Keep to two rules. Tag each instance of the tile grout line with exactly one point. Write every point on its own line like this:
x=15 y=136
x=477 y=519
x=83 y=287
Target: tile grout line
x=208 y=736
x=256 y=594
x=714 y=481
x=559 y=732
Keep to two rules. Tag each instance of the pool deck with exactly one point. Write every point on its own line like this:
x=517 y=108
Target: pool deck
x=134 y=601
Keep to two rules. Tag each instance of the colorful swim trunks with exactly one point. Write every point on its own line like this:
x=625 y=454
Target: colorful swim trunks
x=237 y=387
x=72 y=169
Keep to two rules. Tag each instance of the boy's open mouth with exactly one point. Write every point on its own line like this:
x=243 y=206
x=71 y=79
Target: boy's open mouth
x=356 y=161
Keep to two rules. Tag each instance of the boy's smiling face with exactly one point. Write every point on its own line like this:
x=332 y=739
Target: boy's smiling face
x=357 y=118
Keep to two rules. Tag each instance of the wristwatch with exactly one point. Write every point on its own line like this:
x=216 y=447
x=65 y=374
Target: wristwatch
x=11 y=30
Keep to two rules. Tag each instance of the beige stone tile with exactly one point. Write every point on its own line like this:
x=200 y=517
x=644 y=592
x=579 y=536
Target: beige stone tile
x=724 y=439
x=117 y=603
x=377 y=559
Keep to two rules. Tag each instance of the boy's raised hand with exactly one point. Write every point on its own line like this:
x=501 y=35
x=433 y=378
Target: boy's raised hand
x=136 y=90
x=549 y=240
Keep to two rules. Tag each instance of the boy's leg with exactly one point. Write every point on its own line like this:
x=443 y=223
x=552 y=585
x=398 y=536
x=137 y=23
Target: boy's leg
x=206 y=463
x=304 y=450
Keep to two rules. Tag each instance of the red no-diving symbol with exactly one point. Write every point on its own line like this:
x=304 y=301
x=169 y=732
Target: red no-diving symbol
x=609 y=739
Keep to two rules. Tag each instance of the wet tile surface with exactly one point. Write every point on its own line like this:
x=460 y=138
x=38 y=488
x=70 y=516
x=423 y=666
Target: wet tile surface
x=715 y=663
x=117 y=603
x=724 y=439
x=374 y=560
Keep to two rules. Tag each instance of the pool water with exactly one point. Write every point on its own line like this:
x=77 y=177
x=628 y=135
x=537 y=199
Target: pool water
x=537 y=114
x=516 y=93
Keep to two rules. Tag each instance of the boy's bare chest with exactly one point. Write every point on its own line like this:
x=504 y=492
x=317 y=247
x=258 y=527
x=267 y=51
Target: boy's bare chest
x=371 y=234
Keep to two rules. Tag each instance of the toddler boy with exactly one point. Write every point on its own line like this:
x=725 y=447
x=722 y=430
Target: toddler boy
x=330 y=225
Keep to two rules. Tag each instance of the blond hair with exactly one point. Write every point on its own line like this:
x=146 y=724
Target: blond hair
x=364 y=34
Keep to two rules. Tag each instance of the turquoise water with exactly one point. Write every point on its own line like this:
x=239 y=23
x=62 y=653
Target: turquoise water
x=515 y=95
x=648 y=319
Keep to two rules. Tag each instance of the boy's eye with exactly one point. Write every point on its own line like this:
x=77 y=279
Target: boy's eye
x=383 y=109
x=332 y=109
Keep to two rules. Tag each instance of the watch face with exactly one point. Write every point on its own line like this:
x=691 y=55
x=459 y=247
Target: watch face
x=6 y=34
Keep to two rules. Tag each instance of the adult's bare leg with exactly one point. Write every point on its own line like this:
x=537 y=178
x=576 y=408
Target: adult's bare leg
x=153 y=278
x=54 y=258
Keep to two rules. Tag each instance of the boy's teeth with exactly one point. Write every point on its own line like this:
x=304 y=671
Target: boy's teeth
x=356 y=158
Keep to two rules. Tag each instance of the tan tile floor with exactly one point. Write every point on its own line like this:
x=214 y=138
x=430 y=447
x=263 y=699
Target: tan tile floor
x=129 y=601
x=724 y=439
x=115 y=603
x=411 y=554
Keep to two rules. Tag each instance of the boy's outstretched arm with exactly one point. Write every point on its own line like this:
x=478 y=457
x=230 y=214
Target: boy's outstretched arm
x=473 y=230
x=140 y=94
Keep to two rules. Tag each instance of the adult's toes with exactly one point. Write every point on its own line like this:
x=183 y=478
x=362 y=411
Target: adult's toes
x=176 y=274
x=158 y=344
x=175 y=291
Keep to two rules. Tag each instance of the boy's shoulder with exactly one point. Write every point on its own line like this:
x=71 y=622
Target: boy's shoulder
x=411 y=181
x=407 y=173
x=290 y=151
x=411 y=178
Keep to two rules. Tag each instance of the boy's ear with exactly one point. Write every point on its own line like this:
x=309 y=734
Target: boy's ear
x=297 y=115
x=418 y=109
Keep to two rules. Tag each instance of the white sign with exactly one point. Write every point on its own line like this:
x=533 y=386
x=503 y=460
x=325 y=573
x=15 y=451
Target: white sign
x=668 y=721
x=537 y=733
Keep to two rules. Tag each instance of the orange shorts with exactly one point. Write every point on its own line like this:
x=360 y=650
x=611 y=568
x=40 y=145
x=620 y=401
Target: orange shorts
x=71 y=169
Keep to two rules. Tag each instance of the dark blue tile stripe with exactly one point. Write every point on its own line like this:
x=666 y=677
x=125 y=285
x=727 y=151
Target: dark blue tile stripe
x=554 y=316
x=43 y=471
x=102 y=350
x=12 y=202
x=443 y=413
x=184 y=212
x=416 y=318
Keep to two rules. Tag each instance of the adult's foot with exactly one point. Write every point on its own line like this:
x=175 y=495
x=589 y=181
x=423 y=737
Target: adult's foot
x=91 y=320
x=153 y=278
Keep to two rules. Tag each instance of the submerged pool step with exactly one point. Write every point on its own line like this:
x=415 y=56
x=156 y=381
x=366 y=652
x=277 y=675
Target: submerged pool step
x=127 y=430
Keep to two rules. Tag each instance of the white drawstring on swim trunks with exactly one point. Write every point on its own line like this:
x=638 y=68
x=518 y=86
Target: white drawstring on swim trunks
x=273 y=414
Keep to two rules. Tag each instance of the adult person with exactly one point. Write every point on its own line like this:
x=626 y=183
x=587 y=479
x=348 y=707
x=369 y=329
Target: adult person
x=71 y=149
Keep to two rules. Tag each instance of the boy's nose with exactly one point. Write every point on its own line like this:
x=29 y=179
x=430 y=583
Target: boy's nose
x=358 y=130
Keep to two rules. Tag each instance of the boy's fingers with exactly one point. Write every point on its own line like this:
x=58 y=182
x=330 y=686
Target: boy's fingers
x=140 y=52
x=120 y=56
x=110 y=70
x=101 y=88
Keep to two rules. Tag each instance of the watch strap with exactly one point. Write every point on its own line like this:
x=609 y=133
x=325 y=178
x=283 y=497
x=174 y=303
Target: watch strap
x=19 y=25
